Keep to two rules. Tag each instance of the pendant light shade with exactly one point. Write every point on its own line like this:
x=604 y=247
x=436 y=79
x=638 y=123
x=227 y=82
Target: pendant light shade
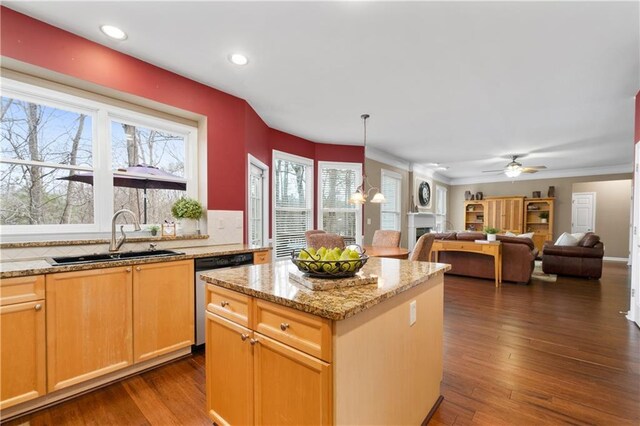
x=362 y=193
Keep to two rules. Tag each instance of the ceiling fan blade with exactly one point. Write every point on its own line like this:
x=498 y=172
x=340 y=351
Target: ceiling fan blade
x=528 y=170
x=492 y=171
x=536 y=167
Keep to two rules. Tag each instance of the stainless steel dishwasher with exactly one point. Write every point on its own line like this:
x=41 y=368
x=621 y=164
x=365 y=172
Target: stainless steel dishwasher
x=207 y=264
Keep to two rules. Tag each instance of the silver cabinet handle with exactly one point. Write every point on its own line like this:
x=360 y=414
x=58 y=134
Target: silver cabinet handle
x=224 y=303
x=138 y=268
x=244 y=336
x=38 y=307
x=128 y=269
x=284 y=326
x=253 y=341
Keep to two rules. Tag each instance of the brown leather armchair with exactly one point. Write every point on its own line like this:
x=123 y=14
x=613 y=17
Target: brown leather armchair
x=585 y=260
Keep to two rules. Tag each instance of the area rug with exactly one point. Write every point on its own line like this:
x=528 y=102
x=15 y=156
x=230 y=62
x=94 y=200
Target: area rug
x=541 y=276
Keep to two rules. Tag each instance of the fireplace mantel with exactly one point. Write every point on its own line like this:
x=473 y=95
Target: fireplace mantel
x=418 y=220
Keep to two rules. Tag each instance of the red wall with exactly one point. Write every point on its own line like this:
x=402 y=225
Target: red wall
x=233 y=127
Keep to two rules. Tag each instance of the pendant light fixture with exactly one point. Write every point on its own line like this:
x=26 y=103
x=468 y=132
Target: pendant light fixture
x=361 y=194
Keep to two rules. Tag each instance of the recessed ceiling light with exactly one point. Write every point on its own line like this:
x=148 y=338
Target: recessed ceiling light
x=113 y=32
x=238 y=59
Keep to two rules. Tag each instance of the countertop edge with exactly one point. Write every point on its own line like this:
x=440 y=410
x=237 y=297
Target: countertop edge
x=325 y=313
x=123 y=262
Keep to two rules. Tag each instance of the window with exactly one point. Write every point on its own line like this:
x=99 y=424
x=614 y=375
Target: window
x=258 y=202
x=335 y=214
x=293 y=201
x=67 y=163
x=391 y=184
x=441 y=208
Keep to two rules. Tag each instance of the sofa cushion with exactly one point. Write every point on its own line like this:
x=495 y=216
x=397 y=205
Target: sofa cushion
x=566 y=239
x=445 y=235
x=589 y=240
x=471 y=236
x=505 y=239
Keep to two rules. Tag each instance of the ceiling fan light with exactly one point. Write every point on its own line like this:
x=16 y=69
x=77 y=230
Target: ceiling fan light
x=378 y=198
x=513 y=172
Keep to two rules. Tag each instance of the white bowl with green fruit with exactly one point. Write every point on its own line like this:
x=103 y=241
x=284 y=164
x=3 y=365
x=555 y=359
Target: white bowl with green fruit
x=330 y=263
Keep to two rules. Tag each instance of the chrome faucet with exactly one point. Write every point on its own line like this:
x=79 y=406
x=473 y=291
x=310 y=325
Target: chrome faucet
x=115 y=245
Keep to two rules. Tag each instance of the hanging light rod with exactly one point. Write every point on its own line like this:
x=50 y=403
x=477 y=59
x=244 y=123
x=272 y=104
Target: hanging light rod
x=361 y=194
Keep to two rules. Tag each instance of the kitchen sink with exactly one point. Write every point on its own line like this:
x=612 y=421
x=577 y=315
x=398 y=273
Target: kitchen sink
x=108 y=257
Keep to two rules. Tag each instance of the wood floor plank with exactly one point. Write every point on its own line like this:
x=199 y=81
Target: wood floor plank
x=545 y=353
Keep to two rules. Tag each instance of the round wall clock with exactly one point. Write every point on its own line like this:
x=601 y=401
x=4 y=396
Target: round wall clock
x=424 y=193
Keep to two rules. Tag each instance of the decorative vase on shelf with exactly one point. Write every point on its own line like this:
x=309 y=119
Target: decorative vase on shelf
x=491 y=237
x=543 y=220
x=551 y=192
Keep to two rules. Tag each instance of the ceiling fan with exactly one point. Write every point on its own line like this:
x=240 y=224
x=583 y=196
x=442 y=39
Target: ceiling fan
x=514 y=168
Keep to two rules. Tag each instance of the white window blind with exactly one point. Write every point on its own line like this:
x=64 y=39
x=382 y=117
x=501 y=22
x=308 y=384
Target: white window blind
x=441 y=208
x=390 y=211
x=335 y=214
x=293 y=203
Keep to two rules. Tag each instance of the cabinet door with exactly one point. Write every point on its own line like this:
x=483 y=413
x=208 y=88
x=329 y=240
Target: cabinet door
x=23 y=368
x=513 y=216
x=229 y=365
x=88 y=325
x=493 y=216
x=291 y=387
x=163 y=318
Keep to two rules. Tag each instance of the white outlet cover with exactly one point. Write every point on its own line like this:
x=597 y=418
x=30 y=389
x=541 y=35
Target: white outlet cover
x=412 y=312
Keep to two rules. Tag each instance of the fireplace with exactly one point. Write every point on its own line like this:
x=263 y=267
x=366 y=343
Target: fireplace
x=419 y=224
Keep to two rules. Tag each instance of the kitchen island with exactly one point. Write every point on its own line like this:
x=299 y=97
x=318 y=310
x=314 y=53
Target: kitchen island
x=280 y=353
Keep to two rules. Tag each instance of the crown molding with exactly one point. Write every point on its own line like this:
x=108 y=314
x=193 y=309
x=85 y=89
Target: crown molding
x=386 y=158
x=550 y=174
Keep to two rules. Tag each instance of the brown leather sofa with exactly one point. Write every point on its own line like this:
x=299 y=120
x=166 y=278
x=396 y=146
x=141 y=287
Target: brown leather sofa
x=585 y=260
x=518 y=256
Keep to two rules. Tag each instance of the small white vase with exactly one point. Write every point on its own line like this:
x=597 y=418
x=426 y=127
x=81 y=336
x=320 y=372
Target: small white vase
x=188 y=226
x=491 y=237
x=542 y=220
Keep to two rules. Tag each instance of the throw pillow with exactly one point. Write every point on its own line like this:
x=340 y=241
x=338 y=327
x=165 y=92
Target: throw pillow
x=578 y=235
x=566 y=239
x=527 y=235
x=509 y=234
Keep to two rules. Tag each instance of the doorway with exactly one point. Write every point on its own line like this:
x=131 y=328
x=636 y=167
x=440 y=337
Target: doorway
x=634 y=305
x=583 y=212
x=257 y=203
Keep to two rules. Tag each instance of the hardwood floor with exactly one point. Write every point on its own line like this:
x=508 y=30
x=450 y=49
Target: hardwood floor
x=546 y=353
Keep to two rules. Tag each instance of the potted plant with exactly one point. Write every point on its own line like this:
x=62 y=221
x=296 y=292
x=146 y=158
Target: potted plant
x=544 y=217
x=154 y=230
x=491 y=233
x=188 y=211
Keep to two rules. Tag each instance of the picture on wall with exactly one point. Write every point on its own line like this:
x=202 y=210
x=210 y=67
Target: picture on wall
x=423 y=193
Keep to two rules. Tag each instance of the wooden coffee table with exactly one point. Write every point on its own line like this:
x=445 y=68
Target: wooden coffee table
x=493 y=248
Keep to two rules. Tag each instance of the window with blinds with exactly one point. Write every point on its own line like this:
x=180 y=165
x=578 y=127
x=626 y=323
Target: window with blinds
x=441 y=208
x=335 y=214
x=293 y=201
x=390 y=211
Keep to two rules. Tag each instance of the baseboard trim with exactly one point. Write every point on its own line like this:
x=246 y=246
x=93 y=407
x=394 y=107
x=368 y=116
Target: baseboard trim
x=433 y=410
x=616 y=259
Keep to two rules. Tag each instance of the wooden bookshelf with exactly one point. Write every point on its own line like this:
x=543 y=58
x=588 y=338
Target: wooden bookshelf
x=474 y=215
x=543 y=230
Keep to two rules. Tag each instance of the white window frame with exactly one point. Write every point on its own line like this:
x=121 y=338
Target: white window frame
x=102 y=115
x=357 y=168
x=251 y=160
x=441 y=208
x=308 y=162
x=391 y=174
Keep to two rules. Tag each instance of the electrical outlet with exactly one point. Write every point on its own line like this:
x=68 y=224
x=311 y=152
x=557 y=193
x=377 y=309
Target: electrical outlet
x=368 y=221
x=220 y=224
x=412 y=313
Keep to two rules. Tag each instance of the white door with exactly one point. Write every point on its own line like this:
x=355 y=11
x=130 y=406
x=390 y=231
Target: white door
x=257 y=209
x=583 y=215
x=634 y=312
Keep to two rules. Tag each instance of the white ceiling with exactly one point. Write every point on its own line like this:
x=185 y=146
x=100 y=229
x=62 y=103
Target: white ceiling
x=461 y=84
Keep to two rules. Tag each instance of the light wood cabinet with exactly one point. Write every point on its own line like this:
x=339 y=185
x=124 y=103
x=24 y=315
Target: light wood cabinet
x=229 y=369
x=255 y=379
x=22 y=338
x=534 y=210
x=474 y=216
x=163 y=317
x=260 y=257
x=89 y=324
x=504 y=213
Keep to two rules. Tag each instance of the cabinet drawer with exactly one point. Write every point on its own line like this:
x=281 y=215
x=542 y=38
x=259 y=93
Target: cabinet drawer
x=260 y=257
x=229 y=304
x=306 y=332
x=21 y=289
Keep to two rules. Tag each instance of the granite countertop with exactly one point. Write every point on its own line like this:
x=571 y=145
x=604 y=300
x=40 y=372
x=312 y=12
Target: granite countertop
x=21 y=268
x=271 y=282
x=130 y=238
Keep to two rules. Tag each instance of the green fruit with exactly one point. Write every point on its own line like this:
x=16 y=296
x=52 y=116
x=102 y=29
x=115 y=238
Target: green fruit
x=311 y=251
x=354 y=255
x=303 y=255
x=321 y=252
